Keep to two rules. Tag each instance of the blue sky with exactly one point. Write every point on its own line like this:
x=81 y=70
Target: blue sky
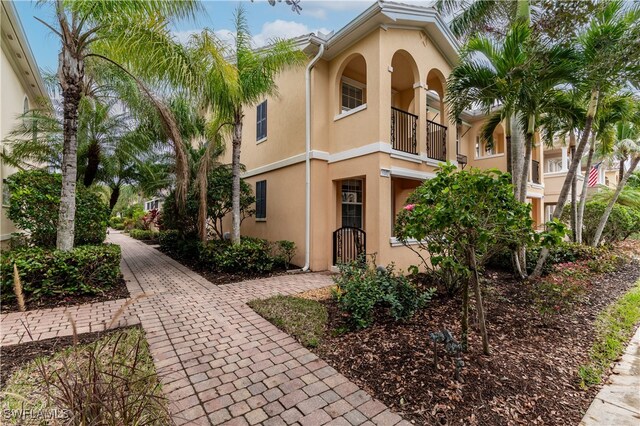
x=265 y=21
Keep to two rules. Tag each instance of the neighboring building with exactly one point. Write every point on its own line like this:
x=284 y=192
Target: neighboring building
x=21 y=88
x=154 y=204
x=378 y=129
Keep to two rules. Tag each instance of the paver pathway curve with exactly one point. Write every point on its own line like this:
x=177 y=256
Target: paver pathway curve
x=219 y=361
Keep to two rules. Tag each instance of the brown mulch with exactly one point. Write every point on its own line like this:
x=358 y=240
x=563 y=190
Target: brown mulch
x=15 y=356
x=118 y=291
x=220 y=278
x=530 y=378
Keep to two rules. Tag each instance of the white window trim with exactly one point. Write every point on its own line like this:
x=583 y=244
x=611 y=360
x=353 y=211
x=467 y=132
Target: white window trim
x=261 y=219
x=259 y=141
x=395 y=242
x=350 y=112
x=354 y=83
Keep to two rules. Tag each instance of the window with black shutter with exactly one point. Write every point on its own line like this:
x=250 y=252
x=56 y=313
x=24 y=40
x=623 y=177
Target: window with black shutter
x=261 y=199
x=261 y=121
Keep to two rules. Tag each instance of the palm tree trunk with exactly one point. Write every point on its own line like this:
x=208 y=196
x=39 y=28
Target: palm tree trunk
x=526 y=168
x=70 y=76
x=113 y=199
x=575 y=162
x=607 y=211
x=583 y=194
x=92 y=164
x=574 y=207
x=517 y=159
x=202 y=204
x=475 y=282
x=235 y=169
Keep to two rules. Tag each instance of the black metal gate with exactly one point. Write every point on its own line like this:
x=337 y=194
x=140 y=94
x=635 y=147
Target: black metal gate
x=349 y=243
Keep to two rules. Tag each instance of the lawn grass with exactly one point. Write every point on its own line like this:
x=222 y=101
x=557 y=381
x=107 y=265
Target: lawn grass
x=302 y=318
x=614 y=328
x=110 y=381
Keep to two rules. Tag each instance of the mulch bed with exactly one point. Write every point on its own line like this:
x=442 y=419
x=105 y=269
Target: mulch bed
x=530 y=378
x=118 y=291
x=15 y=356
x=220 y=278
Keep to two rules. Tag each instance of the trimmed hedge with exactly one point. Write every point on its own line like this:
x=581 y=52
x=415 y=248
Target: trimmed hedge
x=43 y=273
x=34 y=205
x=143 y=234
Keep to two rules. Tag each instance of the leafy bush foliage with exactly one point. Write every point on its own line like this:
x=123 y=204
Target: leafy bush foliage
x=34 y=203
x=43 y=272
x=143 y=234
x=622 y=222
x=361 y=288
x=252 y=255
x=284 y=252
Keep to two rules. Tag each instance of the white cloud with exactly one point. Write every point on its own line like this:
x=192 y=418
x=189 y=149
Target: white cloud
x=282 y=29
x=184 y=36
x=315 y=12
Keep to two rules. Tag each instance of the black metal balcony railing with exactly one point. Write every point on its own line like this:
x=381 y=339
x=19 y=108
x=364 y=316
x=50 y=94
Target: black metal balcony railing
x=436 y=141
x=535 y=171
x=403 y=131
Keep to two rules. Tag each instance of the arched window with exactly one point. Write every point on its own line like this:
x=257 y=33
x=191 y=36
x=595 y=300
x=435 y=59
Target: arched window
x=353 y=84
x=25 y=105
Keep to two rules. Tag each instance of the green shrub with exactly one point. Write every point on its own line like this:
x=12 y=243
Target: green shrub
x=284 y=252
x=43 y=272
x=115 y=221
x=360 y=289
x=620 y=225
x=34 y=205
x=251 y=255
x=169 y=240
x=143 y=234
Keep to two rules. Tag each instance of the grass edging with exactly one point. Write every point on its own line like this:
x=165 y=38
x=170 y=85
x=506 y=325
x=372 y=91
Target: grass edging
x=304 y=319
x=614 y=327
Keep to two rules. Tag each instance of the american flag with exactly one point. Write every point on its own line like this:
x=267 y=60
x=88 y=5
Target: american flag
x=593 y=175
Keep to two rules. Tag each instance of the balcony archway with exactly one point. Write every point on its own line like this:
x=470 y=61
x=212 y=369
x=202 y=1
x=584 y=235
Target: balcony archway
x=404 y=106
x=437 y=120
x=352 y=84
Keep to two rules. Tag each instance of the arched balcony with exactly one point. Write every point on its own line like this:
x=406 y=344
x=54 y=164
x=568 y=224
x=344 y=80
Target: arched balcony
x=404 y=107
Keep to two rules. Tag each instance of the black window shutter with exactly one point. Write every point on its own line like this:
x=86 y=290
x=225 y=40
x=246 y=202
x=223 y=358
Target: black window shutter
x=261 y=199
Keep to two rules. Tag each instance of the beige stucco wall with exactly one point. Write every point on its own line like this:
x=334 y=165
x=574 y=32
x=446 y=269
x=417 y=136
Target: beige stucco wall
x=12 y=94
x=345 y=146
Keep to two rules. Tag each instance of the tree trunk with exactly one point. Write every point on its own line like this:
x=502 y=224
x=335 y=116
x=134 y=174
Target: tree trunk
x=70 y=76
x=517 y=160
x=202 y=206
x=113 y=199
x=607 y=211
x=235 y=187
x=475 y=282
x=575 y=162
x=526 y=167
x=92 y=164
x=464 y=336
x=583 y=194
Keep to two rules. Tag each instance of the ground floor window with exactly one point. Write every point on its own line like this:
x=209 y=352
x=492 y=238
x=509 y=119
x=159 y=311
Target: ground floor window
x=352 y=203
x=548 y=211
x=261 y=199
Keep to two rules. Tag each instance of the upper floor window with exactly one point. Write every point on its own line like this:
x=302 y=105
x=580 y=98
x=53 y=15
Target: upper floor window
x=261 y=199
x=261 y=121
x=352 y=94
x=6 y=195
x=554 y=165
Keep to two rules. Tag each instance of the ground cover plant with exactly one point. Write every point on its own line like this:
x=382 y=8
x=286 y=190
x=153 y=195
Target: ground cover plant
x=51 y=277
x=302 y=318
x=110 y=381
x=143 y=234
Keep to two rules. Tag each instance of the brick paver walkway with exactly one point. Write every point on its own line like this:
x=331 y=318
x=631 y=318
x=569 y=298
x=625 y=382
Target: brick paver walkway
x=219 y=361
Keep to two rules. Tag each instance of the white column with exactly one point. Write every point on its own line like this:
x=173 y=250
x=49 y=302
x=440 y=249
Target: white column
x=565 y=159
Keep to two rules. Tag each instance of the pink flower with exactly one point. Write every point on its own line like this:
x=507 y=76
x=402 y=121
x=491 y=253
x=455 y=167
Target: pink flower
x=410 y=207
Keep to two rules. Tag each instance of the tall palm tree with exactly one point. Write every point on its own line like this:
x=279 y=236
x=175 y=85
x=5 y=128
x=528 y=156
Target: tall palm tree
x=608 y=52
x=132 y=34
x=245 y=80
x=627 y=148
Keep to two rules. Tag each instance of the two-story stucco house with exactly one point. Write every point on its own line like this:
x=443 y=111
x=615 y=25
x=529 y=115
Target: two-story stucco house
x=334 y=156
x=21 y=88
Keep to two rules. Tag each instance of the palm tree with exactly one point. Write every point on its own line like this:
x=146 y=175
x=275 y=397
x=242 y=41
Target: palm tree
x=608 y=50
x=244 y=81
x=132 y=34
x=627 y=148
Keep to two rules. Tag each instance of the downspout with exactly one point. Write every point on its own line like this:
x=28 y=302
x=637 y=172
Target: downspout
x=307 y=159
